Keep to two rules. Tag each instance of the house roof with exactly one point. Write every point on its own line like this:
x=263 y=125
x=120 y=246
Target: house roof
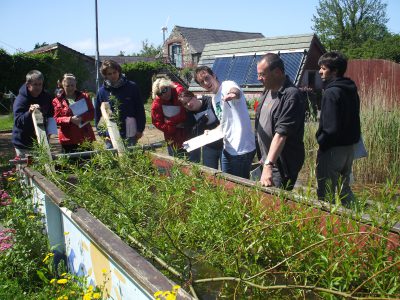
x=199 y=37
x=56 y=46
x=237 y=60
x=126 y=59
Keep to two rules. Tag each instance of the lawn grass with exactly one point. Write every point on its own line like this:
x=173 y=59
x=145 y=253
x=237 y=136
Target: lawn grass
x=6 y=122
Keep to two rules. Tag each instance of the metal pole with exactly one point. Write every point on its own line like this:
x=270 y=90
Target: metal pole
x=97 y=51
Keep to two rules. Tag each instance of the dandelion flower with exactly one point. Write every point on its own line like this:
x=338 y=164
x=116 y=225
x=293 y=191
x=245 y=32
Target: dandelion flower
x=62 y=281
x=48 y=256
x=63 y=274
x=52 y=281
x=96 y=296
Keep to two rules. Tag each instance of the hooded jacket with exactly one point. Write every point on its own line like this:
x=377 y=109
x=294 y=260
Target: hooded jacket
x=339 y=123
x=131 y=103
x=23 y=132
x=69 y=133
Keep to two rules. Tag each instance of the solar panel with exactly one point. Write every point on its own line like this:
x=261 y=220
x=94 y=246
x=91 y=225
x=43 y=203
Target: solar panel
x=243 y=69
x=239 y=69
x=292 y=63
x=221 y=67
x=252 y=73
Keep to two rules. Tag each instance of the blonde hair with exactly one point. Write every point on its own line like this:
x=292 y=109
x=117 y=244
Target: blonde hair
x=68 y=76
x=159 y=83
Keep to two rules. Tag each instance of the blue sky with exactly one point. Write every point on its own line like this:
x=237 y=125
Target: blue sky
x=124 y=24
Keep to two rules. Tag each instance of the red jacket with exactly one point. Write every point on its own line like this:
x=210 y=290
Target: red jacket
x=69 y=133
x=175 y=136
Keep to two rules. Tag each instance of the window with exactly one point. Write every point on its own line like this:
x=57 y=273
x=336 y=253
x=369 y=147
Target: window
x=176 y=55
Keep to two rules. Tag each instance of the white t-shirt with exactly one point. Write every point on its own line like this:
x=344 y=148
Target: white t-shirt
x=235 y=120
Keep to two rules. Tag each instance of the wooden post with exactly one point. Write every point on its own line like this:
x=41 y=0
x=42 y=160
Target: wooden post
x=112 y=128
x=40 y=130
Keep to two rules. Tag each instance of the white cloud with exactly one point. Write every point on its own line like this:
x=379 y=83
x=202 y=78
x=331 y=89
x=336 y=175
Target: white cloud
x=110 y=46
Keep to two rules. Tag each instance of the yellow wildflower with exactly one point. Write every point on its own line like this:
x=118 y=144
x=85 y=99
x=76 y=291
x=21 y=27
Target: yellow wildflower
x=158 y=293
x=87 y=296
x=52 y=281
x=11 y=178
x=96 y=296
x=90 y=288
x=62 y=281
x=31 y=216
x=63 y=274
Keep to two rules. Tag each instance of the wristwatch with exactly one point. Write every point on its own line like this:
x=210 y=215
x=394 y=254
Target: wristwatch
x=268 y=163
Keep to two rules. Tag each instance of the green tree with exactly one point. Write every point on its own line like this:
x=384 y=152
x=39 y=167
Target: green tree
x=39 y=45
x=343 y=24
x=148 y=50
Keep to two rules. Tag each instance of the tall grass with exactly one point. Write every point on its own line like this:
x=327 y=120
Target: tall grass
x=6 y=122
x=380 y=127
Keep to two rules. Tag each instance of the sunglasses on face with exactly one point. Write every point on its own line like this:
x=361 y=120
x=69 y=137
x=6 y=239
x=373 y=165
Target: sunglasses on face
x=163 y=90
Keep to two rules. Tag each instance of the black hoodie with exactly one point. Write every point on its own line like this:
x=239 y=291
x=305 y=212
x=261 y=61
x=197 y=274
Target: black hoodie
x=339 y=123
x=23 y=132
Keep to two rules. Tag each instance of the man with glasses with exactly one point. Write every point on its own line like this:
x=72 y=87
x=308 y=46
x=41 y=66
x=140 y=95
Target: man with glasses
x=31 y=96
x=279 y=125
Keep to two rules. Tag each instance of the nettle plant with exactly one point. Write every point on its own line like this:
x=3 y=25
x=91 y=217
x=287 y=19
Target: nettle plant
x=232 y=242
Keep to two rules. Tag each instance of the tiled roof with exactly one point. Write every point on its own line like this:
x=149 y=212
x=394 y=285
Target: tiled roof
x=199 y=37
x=55 y=46
x=237 y=60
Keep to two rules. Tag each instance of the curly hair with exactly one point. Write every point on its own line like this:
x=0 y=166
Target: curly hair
x=159 y=83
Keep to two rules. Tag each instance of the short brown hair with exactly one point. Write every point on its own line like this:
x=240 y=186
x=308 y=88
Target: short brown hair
x=110 y=64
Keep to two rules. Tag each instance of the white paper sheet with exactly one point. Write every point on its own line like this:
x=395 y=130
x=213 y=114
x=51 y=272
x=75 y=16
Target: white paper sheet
x=79 y=107
x=170 y=111
x=208 y=137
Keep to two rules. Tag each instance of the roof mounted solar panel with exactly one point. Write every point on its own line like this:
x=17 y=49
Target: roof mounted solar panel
x=252 y=73
x=292 y=62
x=239 y=69
x=221 y=67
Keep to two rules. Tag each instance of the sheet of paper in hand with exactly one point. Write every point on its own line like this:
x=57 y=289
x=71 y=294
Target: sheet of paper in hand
x=79 y=107
x=170 y=111
x=208 y=137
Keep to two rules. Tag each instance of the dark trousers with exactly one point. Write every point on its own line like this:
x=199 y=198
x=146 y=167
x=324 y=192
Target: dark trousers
x=333 y=174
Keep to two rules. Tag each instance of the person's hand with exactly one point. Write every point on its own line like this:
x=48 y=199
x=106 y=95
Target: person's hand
x=233 y=93
x=33 y=107
x=266 y=176
x=76 y=120
x=138 y=135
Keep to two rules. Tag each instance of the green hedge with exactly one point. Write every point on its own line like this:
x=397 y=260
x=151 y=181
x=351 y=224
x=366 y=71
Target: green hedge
x=142 y=73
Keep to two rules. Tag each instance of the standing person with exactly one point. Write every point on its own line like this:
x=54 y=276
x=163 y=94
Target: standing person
x=169 y=115
x=279 y=125
x=71 y=132
x=339 y=129
x=230 y=108
x=117 y=88
x=203 y=118
x=31 y=96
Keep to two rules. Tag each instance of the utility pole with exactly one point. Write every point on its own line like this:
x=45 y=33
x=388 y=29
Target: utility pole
x=97 y=50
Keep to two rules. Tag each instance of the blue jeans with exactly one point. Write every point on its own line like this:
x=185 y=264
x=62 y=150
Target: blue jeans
x=211 y=157
x=238 y=165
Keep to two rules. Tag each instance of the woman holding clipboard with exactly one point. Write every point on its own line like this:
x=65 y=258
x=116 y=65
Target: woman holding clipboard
x=73 y=111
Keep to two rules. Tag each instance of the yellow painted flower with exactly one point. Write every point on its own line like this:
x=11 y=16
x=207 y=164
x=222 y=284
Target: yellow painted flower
x=96 y=296
x=62 y=281
x=52 y=281
x=48 y=256
x=66 y=232
x=158 y=293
